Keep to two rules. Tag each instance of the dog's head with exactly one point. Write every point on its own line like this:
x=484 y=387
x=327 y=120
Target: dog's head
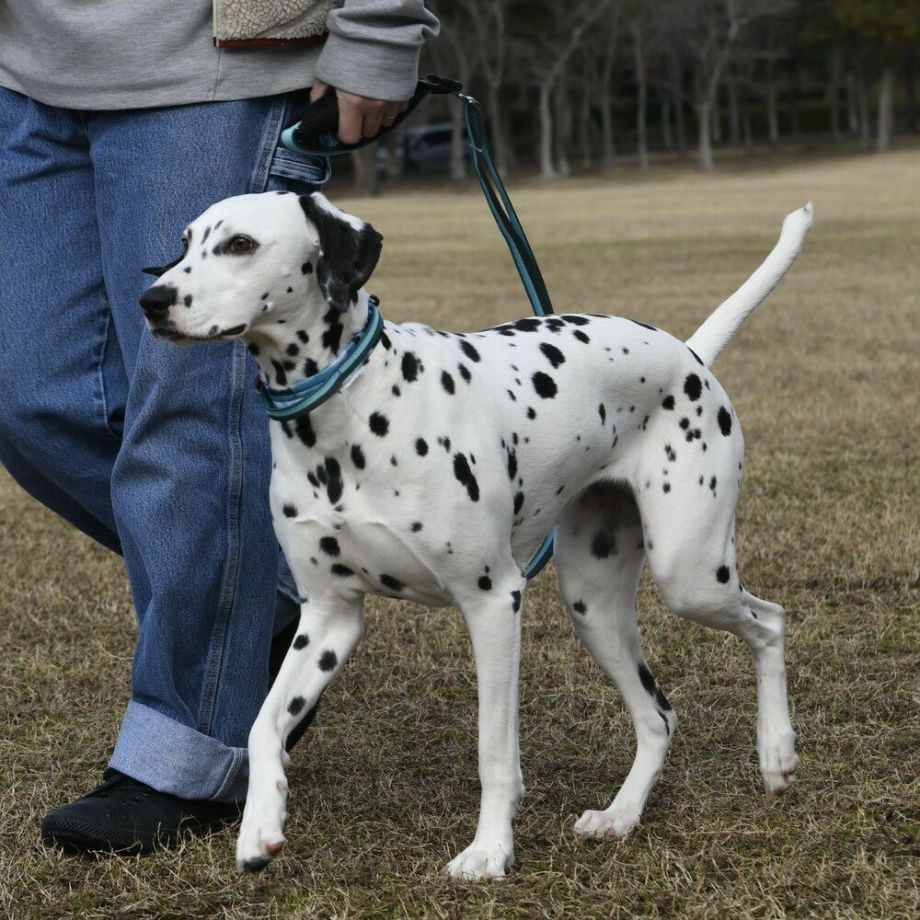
x=253 y=260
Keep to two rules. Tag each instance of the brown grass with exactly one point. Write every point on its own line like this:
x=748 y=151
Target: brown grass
x=825 y=379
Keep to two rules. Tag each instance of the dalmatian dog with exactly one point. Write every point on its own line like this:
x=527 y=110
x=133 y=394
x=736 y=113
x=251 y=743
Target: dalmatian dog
x=439 y=467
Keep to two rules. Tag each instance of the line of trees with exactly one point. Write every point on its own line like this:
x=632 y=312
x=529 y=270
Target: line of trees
x=584 y=81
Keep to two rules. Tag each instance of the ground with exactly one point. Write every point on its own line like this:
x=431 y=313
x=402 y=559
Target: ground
x=825 y=379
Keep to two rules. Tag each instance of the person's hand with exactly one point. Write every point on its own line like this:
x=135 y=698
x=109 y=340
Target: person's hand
x=359 y=116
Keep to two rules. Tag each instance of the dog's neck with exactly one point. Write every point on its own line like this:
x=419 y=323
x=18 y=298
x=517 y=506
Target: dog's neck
x=303 y=338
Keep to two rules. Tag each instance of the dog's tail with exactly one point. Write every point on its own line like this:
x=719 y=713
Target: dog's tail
x=723 y=323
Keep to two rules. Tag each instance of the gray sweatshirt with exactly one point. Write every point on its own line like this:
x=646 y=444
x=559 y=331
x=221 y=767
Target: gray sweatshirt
x=123 y=54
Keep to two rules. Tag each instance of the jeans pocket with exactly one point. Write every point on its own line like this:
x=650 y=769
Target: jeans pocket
x=296 y=172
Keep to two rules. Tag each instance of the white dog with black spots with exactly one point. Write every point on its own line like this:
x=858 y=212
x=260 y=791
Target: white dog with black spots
x=439 y=467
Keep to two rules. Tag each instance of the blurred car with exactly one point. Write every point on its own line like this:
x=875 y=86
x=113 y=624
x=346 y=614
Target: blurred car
x=425 y=149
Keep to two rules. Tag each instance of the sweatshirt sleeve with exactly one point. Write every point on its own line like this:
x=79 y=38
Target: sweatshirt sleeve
x=374 y=45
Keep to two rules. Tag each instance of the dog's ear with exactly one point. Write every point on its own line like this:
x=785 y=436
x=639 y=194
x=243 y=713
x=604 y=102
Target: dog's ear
x=348 y=250
x=157 y=270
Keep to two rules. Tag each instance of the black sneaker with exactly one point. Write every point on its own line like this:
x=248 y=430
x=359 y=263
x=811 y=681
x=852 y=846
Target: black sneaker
x=281 y=642
x=122 y=814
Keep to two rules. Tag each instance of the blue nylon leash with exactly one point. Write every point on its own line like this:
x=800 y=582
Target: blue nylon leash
x=313 y=134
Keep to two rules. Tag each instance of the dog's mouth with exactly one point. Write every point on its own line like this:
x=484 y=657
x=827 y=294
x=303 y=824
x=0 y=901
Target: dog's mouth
x=170 y=333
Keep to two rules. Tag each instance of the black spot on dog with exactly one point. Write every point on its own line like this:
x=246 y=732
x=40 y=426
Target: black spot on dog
x=512 y=463
x=530 y=413
x=465 y=476
x=380 y=425
x=575 y=319
x=306 y=268
x=693 y=387
x=421 y=446
x=296 y=705
x=310 y=367
x=187 y=300
x=410 y=367
x=579 y=607
x=416 y=526
x=712 y=483
x=581 y=336
x=334 y=479
x=385 y=340
x=464 y=372
x=685 y=423
x=469 y=351
x=289 y=511
x=330 y=546
x=552 y=354
x=394 y=584
x=328 y=660
x=602 y=412
x=527 y=325
x=292 y=349
x=302 y=641
x=280 y=375
x=357 y=456
x=602 y=545
x=332 y=337
x=643 y=325
x=699 y=360
x=670 y=452
x=304 y=338
x=518 y=502
x=341 y=570
x=666 y=488
x=725 y=421
x=447 y=382
x=544 y=385
x=485 y=583
x=668 y=402
x=723 y=574
x=515 y=601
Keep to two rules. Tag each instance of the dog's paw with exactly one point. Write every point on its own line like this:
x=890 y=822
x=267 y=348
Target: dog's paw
x=613 y=822
x=259 y=840
x=478 y=862
x=778 y=763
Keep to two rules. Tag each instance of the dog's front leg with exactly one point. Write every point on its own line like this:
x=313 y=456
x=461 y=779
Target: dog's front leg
x=493 y=617
x=327 y=634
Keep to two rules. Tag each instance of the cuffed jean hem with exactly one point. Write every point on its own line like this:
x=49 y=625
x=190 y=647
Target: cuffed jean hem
x=173 y=758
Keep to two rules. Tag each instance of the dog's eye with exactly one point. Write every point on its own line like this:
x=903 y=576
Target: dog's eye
x=240 y=244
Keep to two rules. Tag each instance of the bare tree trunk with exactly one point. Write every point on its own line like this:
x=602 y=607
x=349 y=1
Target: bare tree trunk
x=457 y=147
x=885 y=108
x=367 y=179
x=704 y=138
x=394 y=163
x=734 y=115
x=608 y=146
x=862 y=104
x=563 y=126
x=547 y=170
x=499 y=137
x=746 y=129
x=641 y=100
x=677 y=94
x=910 y=91
x=833 y=90
x=772 y=117
x=584 y=126
x=716 y=114
x=667 y=136
x=852 y=106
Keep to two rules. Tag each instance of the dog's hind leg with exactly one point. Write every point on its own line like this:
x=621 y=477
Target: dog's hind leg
x=492 y=610
x=599 y=553
x=694 y=564
x=327 y=634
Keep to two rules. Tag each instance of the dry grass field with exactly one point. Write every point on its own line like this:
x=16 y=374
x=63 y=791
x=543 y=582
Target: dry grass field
x=825 y=379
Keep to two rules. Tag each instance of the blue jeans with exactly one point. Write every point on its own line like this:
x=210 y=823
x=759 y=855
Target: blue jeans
x=159 y=452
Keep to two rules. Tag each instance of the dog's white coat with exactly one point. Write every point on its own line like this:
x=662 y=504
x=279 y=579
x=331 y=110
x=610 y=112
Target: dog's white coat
x=625 y=453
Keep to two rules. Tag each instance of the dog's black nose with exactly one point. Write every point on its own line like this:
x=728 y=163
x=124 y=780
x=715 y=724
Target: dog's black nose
x=157 y=300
